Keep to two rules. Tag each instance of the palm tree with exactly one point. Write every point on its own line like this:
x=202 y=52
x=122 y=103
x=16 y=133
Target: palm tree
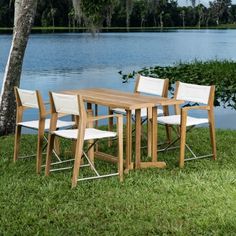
x=200 y=10
x=218 y=8
x=129 y=8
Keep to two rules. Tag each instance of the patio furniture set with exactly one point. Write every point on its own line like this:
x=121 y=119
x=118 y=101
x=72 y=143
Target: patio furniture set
x=149 y=103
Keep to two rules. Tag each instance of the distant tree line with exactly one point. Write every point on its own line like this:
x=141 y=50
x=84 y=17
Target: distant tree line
x=125 y=13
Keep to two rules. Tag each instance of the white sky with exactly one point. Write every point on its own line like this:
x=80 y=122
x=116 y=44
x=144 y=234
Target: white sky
x=205 y=2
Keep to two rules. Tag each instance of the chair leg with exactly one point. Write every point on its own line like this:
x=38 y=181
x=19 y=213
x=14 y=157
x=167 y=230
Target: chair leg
x=78 y=156
x=120 y=147
x=57 y=146
x=40 y=146
x=17 y=142
x=51 y=139
x=90 y=142
x=168 y=133
x=212 y=133
x=167 y=127
x=182 y=139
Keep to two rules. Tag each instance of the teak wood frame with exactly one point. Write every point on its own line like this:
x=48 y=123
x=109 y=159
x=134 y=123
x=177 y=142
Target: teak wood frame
x=183 y=128
x=83 y=121
x=41 y=127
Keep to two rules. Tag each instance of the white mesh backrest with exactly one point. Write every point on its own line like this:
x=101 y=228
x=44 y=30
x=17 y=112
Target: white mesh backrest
x=150 y=85
x=28 y=98
x=66 y=104
x=193 y=93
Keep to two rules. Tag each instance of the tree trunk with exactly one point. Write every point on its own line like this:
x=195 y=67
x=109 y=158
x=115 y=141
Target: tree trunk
x=17 y=10
x=129 y=8
x=24 y=17
x=161 y=20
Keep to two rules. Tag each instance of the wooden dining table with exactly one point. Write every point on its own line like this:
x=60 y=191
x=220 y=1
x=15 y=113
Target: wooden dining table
x=131 y=101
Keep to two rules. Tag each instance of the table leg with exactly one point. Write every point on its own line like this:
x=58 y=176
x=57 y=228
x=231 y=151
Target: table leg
x=110 y=125
x=154 y=134
x=128 y=140
x=154 y=162
x=137 y=138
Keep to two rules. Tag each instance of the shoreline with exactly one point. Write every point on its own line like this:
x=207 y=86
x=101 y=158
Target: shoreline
x=118 y=29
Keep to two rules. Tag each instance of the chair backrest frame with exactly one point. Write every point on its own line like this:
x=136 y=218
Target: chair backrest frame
x=80 y=115
x=210 y=97
x=160 y=91
x=21 y=106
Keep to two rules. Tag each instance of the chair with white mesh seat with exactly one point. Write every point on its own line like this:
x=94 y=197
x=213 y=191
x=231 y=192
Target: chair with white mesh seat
x=203 y=95
x=29 y=99
x=149 y=86
x=74 y=105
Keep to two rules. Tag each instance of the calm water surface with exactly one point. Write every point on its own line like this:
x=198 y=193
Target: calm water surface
x=79 y=60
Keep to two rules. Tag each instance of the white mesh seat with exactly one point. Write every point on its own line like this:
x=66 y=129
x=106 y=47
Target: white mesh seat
x=196 y=94
x=74 y=105
x=90 y=133
x=176 y=120
x=34 y=124
x=143 y=111
x=33 y=99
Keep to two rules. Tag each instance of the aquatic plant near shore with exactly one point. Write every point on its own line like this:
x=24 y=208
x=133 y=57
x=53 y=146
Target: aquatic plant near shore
x=221 y=73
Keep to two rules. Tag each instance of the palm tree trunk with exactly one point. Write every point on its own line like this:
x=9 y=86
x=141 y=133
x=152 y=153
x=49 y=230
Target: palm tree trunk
x=17 y=10
x=129 y=8
x=24 y=17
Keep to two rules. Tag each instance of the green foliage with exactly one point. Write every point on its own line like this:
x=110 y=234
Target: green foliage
x=197 y=200
x=222 y=74
x=94 y=12
x=114 y=13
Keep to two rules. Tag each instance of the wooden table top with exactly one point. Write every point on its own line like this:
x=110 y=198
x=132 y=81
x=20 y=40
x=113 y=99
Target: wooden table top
x=121 y=99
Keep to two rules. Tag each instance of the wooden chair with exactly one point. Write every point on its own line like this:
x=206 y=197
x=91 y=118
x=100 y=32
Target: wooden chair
x=26 y=99
x=149 y=86
x=196 y=94
x=74 y=105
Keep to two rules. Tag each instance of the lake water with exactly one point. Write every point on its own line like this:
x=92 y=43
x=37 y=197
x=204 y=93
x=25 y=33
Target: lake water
x=79 y=60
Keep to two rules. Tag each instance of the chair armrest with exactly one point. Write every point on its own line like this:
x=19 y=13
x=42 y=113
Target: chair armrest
x=186 y=109
x=172 y=102
x=95 y=118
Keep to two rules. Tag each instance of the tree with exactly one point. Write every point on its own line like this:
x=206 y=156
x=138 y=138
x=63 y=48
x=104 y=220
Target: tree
x=232 y=14
x=218 y=8
x=182 y=14
x=129 y=8
x=153 y=8
x=200 y=10
x=6 y=10
x=94 y=13
x=25 y=11
x=193 y=3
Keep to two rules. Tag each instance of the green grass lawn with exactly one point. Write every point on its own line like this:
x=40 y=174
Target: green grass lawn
x=197 y=200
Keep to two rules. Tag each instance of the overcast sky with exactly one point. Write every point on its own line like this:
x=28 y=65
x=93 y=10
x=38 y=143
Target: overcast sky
x=205 y=2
